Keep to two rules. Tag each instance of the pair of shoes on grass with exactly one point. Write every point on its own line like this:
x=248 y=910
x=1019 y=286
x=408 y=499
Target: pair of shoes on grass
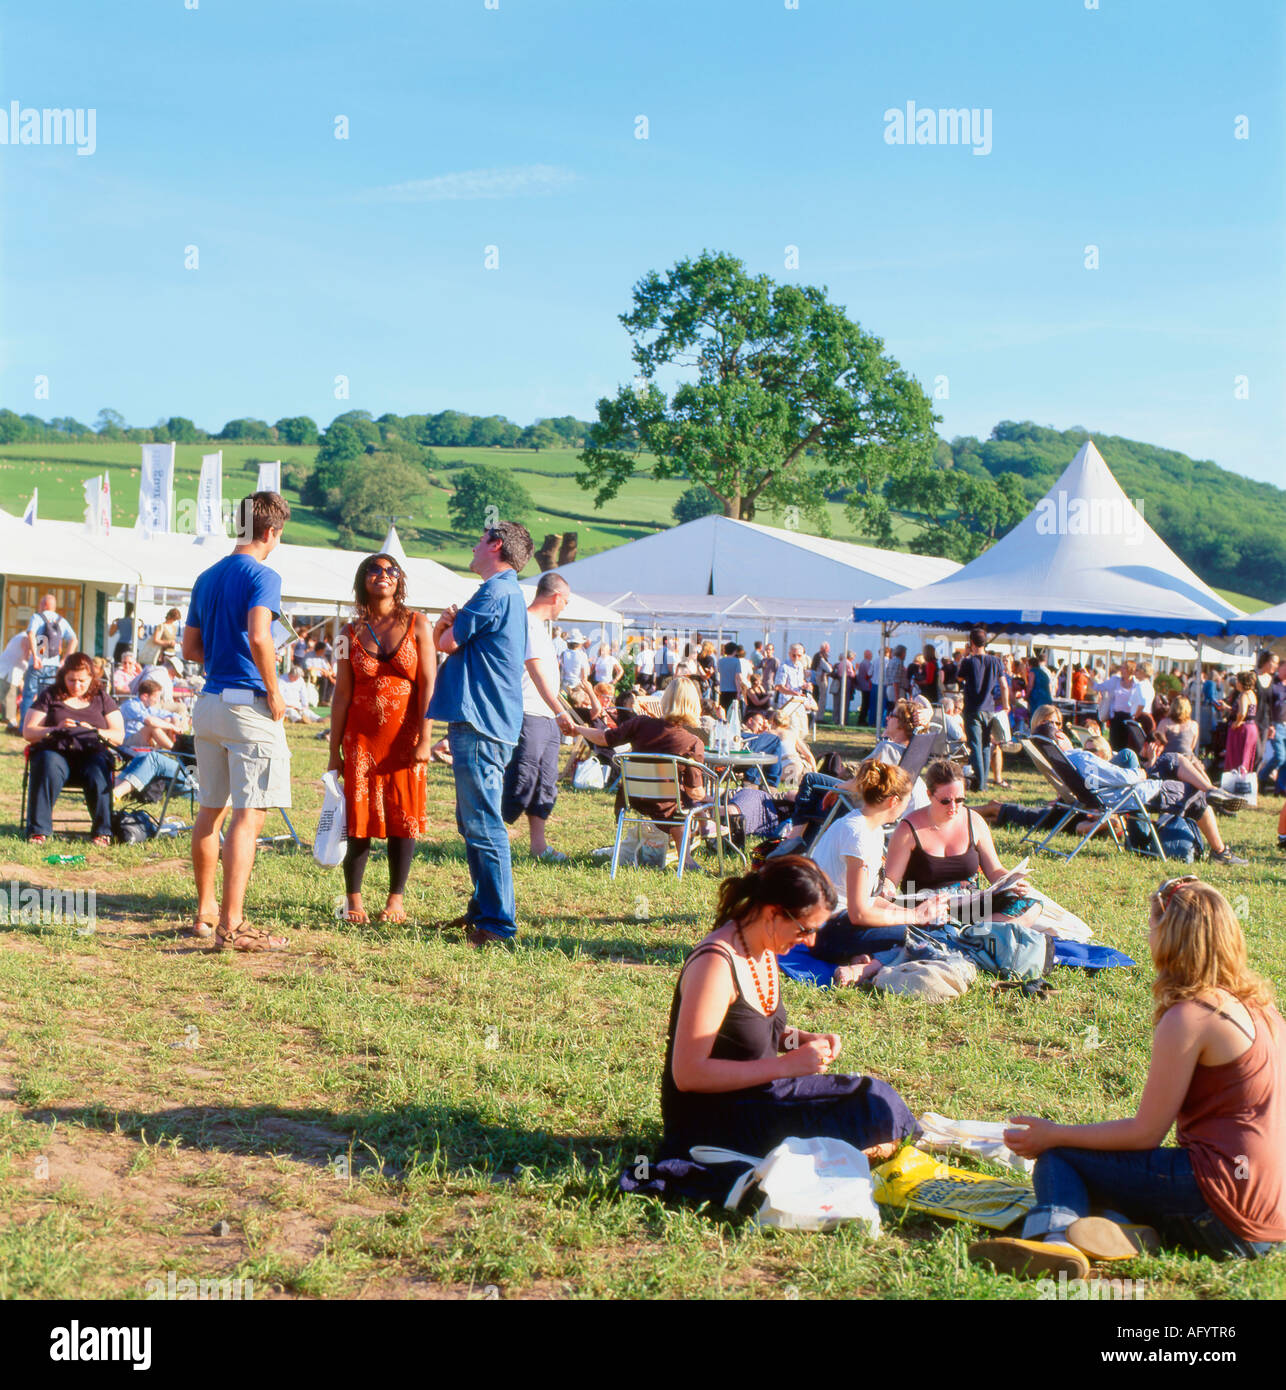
x=1089 y=1238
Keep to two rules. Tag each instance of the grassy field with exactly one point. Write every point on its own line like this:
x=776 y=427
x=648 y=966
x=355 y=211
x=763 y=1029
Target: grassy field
x=380 y=1112
x=643 y=505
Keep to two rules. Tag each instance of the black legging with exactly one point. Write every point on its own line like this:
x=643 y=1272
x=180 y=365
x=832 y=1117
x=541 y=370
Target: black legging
x=400 y=853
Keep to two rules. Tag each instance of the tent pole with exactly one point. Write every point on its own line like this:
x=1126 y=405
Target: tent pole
x=1196 y=704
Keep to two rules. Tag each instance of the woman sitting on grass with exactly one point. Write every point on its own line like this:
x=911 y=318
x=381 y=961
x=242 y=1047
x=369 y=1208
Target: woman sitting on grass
x=735 y=1074
x=945 y=846
x=851 y=853
x=1218 y=1067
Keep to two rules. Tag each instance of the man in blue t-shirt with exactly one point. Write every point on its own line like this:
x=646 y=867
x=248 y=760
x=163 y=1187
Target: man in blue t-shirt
x=241 y=755
x=479 y=694
x=51 y=639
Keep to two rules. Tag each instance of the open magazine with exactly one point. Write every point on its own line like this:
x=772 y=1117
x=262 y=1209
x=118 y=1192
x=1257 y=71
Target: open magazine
x=972 y=906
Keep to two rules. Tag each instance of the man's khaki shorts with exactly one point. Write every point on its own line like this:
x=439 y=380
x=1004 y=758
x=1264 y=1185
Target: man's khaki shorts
x=241 y=755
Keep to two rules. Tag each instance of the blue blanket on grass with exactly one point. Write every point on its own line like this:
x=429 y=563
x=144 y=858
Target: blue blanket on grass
x=799 y=963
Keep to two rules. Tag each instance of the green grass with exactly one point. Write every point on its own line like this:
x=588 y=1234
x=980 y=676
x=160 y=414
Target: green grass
x=380 y=1112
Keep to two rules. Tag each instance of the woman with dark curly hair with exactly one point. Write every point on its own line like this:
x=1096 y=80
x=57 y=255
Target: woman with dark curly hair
x=72 y=728
x=379 y=739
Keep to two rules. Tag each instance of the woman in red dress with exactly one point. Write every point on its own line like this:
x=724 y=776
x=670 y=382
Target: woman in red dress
x=379 y=740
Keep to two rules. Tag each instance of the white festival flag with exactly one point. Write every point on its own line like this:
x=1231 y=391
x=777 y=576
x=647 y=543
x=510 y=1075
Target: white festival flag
x=270 y=477
x=209 y=496
x=155 y=486
x=93 y=487
x=105 y=506
x=29 y=516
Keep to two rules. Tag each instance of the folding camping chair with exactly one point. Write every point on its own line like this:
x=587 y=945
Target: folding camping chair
x=1073 y=798
x=656 y=777
x=73 y=783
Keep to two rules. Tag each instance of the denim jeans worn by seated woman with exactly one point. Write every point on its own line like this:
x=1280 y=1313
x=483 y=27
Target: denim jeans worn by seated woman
x=1152 y=1187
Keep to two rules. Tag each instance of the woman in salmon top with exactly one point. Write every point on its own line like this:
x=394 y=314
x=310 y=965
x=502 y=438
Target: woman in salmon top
x=1217 y=1072
x=379 y=739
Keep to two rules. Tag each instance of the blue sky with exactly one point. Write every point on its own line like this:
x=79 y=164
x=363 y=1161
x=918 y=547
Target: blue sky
x=515 y=127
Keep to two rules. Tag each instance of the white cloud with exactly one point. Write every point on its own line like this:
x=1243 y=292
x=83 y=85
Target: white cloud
x=517 y=182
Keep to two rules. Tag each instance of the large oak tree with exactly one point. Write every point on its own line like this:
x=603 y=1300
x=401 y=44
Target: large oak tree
x=781 y=399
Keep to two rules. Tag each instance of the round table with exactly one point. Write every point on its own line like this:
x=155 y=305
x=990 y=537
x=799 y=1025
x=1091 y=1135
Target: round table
x=727 y=764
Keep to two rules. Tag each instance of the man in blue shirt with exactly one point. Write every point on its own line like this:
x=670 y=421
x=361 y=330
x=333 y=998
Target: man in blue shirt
x=241 y=753
x=51 y=639
x=479 y=695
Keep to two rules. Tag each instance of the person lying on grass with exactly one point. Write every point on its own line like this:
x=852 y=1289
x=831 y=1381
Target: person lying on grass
x=736 y=1075
x=1217 y=1071
x=851 y=853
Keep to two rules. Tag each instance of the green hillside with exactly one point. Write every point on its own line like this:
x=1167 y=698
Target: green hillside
x=644 y=504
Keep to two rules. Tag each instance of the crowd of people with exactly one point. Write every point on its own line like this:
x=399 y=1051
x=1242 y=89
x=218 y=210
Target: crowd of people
x=509 y=686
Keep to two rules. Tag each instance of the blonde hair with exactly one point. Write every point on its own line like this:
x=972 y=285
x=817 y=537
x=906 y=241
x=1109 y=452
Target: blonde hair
x=904 y=713
x=1181 y=710
x=874 y=782
x=680 y=702
x=1099 y=746
x=1047 y=714
x=1200 y=948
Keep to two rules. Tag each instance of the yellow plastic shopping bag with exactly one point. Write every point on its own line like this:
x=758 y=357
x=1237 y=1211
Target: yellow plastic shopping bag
x=921 y=1182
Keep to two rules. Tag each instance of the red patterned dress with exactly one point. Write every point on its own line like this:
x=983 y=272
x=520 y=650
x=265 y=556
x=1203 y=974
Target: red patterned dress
x=384 y=787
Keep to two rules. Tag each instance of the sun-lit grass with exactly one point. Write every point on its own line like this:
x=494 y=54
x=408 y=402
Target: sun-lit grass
x=383 y=1112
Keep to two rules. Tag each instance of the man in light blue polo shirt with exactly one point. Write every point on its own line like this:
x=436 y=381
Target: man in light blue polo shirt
x=479 y=694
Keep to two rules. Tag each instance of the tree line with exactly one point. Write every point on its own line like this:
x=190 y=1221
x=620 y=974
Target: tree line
x=446 y=429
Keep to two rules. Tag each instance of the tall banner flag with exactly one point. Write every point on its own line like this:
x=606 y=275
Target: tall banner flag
x=105 y=506
x=155 y=488
x=209 y=496
x=270 y=477
x=93 y=506
x=29 y=516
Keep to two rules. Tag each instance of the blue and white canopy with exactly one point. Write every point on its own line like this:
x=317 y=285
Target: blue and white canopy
x=1268 y=622
x=1083 y=560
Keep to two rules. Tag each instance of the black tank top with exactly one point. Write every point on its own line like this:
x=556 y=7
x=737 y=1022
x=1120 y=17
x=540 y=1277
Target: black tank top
x=745 y=1035
x=931 y=871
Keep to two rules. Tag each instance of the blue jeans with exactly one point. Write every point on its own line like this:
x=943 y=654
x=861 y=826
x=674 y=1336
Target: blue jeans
x=975 y=732
x=479 y=765
x=1274 y=756
x=147 y=764
x=32 y=684
x=1154 y=1187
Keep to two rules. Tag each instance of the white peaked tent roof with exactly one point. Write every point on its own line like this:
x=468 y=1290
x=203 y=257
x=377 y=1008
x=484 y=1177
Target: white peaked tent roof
x=31 y=551
x=1268 y=622
x=717 y=555
x=1084 y=560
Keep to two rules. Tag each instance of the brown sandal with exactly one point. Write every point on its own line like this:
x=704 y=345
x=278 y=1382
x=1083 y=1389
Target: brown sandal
x=246 y=938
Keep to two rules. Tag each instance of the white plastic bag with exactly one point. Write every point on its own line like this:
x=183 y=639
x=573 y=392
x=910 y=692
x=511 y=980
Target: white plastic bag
x=330 y=841
x=1242 y=784
x=986 y=1138
x=807 y=1184
x=590 y=776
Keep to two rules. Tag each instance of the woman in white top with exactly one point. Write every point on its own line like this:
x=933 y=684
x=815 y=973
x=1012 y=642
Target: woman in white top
x=606 y=667
x=851 y=852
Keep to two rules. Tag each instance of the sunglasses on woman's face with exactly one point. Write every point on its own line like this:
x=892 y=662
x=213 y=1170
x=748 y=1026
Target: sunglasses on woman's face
x=949 y=800
x=391 y=570
x=801 y=931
